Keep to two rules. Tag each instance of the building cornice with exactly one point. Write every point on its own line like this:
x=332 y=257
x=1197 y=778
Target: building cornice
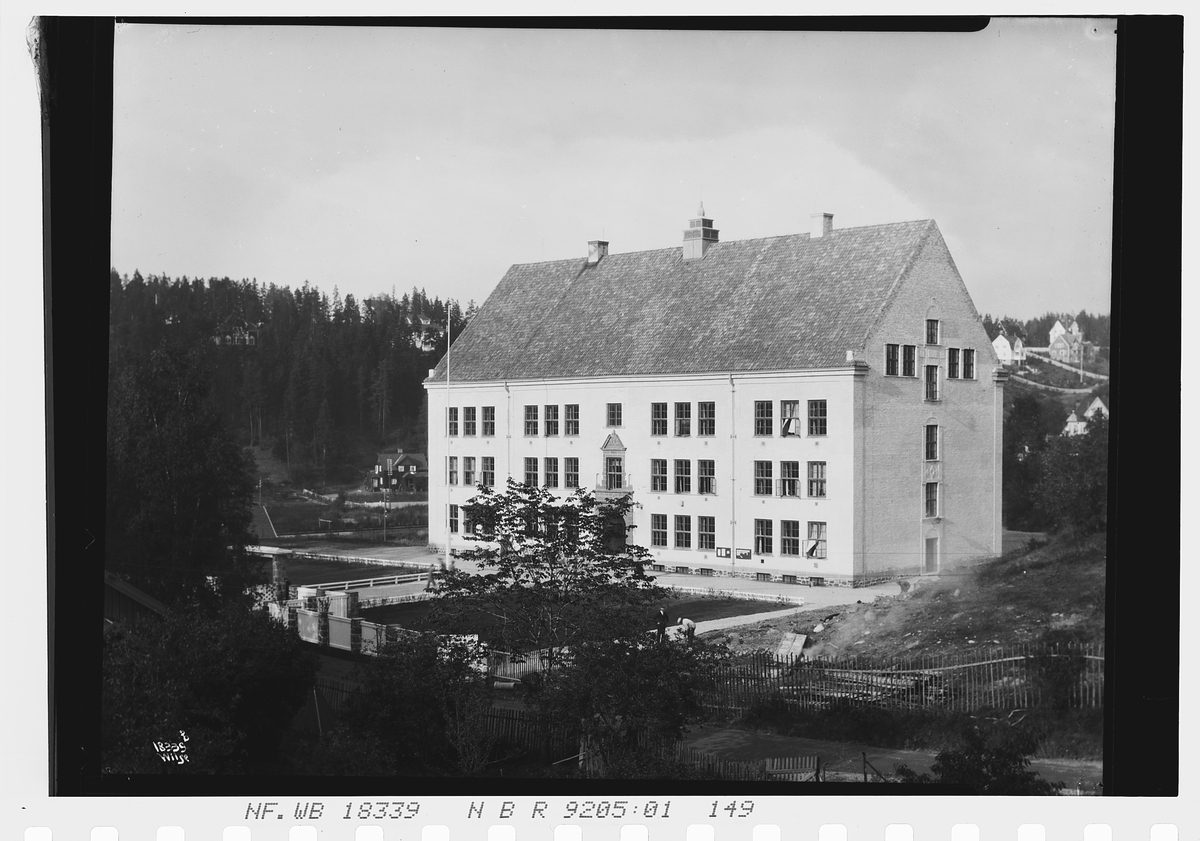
x=855 y=369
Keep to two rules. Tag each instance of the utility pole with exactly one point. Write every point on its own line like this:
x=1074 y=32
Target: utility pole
x=446 y=423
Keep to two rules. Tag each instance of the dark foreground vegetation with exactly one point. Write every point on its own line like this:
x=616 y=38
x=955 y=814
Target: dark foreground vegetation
x=1053 y=734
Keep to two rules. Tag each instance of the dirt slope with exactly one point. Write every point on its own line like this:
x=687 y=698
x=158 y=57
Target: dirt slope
x=1054 y=592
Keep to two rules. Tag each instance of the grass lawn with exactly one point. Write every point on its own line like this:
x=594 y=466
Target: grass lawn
x=698 y=609
x=304 y=571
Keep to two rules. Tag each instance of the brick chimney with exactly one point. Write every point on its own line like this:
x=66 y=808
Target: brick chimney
x=597 y=251
x=822 y=225
x=699 y=236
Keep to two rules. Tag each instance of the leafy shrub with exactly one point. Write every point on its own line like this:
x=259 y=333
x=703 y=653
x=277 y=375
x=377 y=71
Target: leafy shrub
x=989 y=762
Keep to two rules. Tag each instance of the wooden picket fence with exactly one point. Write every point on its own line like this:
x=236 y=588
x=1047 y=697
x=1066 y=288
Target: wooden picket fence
x=335 y=692
x=1013 y=677
x=714 y=767
x=516 y=727
x=525 y=729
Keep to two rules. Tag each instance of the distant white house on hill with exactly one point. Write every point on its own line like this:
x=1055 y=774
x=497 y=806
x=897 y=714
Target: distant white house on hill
x=1009 y=351
x=1070 y=348
x=822 y=407
x=1056 y=331
x=1077 y=421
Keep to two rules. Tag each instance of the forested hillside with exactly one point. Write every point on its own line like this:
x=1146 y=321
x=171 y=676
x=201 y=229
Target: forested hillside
x=321 y=379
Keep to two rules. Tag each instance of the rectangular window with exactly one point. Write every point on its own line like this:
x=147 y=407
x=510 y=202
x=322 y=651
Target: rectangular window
x=658 y=529
x=816 y=417
x=932 y=331
x=454 y=519
x=789 y=537
x=469 y=470
x=707 y=414
x=789 y=417
x=968 y=364
x=551 y=470
x=469 y=420
x=551 y=420
x=531 y=420
x=531 y=472
x=614 y=473
x=452 y=421
x=683 y=419
x=910 y=360
x=453 y=469
x=893 y=360
x=613 y=414
x=789 y=478
x=764 y=423
x=931 y=442
x=489 y=472
x=816 y=540
x=706 y=473
x=658 y=418
x=683 y=476
x=571 y=416
x=706 y=532
x=931 y=499
x=816 y=479
x=762 y=537
x=489 y=420
x=952 y=364
x=683 y=531
x=931 y=382
x=762 y=478
x=658 y=475
x=571 y=472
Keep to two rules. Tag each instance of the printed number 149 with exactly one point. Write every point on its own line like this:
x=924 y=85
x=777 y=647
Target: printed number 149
x=734 y=809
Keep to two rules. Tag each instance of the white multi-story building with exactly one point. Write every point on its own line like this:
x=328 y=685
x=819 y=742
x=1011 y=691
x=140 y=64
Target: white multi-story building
x=821 y=408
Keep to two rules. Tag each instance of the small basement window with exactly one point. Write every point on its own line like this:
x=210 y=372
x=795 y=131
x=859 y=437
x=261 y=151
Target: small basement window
x=816 y=582
x=705 y=571
x=682 y=570
x=789 y=579
x=762 y=576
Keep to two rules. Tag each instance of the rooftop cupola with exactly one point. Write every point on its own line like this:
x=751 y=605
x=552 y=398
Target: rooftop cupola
x=597 y=250
x=698 y=236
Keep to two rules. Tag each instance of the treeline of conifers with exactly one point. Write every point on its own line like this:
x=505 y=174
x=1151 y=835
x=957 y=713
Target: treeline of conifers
x=1035 y=332
x=316 y=377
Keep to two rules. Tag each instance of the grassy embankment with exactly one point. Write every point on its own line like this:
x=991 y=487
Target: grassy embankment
x=1052 y=593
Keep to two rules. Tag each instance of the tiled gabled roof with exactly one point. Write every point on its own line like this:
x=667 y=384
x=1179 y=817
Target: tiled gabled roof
x=401 y=458
x=773 y=304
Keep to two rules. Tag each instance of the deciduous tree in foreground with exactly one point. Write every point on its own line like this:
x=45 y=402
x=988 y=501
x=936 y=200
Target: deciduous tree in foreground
x=559 y=583
x=546 y=573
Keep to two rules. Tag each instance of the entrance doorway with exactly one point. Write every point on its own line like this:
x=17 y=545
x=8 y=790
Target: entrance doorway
x=931 y=554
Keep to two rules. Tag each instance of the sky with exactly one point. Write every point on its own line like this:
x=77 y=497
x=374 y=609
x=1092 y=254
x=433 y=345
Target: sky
x=373 y=159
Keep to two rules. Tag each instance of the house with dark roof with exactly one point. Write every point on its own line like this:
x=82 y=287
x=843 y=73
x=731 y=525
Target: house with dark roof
x=822 y=407
x=236 y=332
x=400 y=471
